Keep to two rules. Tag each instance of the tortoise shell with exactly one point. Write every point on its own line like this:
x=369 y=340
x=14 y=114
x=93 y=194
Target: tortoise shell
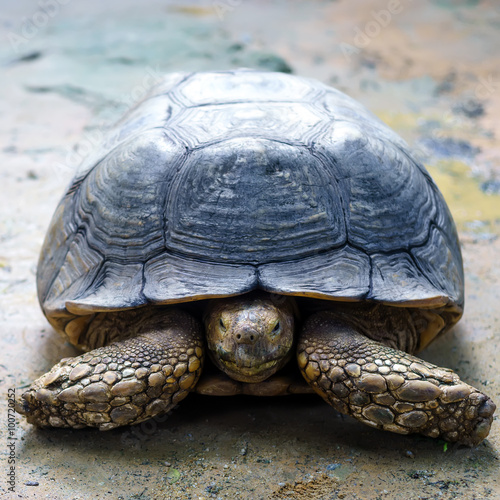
x=220 y=183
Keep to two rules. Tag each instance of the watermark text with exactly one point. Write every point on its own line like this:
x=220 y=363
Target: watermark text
x=11 y=440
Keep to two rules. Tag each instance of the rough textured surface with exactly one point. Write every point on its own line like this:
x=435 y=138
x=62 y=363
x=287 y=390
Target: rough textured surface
x=430 y=72
x=125 y=382
x=386 y=388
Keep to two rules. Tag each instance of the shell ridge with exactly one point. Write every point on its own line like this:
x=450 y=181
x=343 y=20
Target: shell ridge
x=334 y=176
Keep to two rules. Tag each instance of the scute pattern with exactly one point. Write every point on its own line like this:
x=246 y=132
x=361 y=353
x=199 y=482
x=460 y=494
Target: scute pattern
x=438 y=263
x=76 y=275
x=218 y=183
x=179 y=279
x=343 y=273
x=249 y=203
x=244 y=86
x=211 y=124
x=384 y=190
x=398 y=271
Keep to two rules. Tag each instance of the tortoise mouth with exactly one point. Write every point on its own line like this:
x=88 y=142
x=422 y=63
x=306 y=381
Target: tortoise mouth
x=262 y=370
x=243 y=358
x=245 y=368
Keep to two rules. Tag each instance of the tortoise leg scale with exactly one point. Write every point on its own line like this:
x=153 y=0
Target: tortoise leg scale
x=387 y=388
x=125 y=382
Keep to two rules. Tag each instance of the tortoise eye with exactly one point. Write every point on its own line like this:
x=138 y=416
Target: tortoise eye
x=276 y=328
x=222 y=325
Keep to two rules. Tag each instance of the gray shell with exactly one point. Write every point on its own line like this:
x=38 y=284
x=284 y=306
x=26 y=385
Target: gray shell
x=220 y=183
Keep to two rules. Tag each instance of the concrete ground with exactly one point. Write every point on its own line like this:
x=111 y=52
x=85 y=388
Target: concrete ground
x=429 y=69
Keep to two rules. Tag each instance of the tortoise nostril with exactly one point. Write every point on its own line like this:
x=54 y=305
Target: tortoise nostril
x=246 y=336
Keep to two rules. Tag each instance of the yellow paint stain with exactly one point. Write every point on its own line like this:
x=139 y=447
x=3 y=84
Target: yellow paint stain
x=467 y=202
x=463 y=195
x=404 y=123
x=193 y=10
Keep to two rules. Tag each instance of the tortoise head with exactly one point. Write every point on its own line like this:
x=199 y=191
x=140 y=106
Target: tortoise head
x=250 y=337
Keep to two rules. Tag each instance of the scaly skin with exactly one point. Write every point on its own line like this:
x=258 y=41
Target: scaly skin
x=123 y=383
x=387 y=388
x=160 y=359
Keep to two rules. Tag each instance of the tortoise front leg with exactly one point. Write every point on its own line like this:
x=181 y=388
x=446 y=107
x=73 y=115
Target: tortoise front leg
x=387 y=388
x=125 y=382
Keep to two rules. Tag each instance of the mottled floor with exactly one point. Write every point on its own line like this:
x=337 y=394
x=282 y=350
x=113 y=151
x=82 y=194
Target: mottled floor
x=429 y=69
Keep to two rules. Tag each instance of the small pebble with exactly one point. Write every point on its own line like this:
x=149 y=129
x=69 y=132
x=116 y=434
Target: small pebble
x=409 y=454
x=333 y=466
x=167 y=464
x=32 y=483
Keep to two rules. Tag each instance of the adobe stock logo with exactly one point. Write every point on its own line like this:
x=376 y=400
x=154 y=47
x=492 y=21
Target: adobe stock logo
x=363 y=36
x=30 y=26
x=225 y=6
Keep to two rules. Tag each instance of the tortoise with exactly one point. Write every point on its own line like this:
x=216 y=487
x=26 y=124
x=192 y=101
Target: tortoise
x=274 y=223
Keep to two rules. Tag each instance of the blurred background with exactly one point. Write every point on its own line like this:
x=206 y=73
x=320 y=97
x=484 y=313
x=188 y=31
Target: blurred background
x=70 y=68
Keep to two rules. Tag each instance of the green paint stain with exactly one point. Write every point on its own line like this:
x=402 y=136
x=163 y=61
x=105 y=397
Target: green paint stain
x=173 y=475
x=453 y=4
